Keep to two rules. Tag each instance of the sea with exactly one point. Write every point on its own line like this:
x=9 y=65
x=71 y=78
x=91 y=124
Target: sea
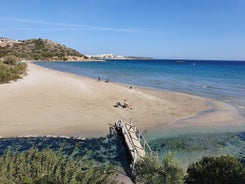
x=219 y=80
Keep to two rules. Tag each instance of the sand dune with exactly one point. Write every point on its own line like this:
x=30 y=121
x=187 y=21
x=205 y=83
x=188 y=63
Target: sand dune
x=48 y=102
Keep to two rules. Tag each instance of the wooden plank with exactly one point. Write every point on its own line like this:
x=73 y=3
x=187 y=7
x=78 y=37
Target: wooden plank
x=136 y=150
x=132 y=140
x=140 y=150
x=129 y=143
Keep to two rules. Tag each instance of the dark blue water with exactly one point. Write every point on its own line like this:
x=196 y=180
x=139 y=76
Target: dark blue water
x=222 y=80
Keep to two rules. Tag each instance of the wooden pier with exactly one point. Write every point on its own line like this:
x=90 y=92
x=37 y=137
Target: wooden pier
x=135 y=141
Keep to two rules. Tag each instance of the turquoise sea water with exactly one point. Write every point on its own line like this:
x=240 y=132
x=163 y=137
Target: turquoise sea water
x=221 y=80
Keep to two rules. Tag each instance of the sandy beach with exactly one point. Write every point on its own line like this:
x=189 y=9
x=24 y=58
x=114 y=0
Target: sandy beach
x=48 y=102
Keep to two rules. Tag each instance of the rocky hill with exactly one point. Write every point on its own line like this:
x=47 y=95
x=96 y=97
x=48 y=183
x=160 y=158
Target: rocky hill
x=38 y=49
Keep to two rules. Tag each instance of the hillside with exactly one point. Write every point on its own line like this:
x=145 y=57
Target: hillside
x=38 y=49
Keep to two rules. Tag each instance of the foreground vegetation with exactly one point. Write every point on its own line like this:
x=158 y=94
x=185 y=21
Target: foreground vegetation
x=209 y=170
x=224 y=169
x=47 y=166
x=58 y=160
x=151 y=170
x=11 y=69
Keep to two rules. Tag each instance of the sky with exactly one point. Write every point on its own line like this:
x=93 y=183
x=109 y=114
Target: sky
x=163 y=29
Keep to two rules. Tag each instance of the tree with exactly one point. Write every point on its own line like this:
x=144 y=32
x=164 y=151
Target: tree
x=216 y=170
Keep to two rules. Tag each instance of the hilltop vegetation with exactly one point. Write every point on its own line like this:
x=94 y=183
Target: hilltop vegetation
x=12 y=51
x=40 y=49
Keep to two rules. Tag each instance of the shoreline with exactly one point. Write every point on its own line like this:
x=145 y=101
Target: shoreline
x=47 y=101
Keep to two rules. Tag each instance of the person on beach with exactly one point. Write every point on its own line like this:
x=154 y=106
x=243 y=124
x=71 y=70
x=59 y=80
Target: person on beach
x=98 y=78
x=125 y=104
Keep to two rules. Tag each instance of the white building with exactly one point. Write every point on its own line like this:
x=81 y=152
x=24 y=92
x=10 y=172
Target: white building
x=105 y=56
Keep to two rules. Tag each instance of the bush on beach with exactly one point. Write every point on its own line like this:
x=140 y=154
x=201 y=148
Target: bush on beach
x=11 y=69
x=10 y=60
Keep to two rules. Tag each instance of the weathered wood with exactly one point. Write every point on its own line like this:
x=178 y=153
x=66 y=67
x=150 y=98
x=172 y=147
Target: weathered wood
x=135 y=148
x=133 y=139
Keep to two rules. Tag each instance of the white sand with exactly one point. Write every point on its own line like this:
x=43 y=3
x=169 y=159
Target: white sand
x=48 y=102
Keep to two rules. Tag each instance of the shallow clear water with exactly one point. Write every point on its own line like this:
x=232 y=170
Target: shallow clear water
x=192 y=147
x=111 y=149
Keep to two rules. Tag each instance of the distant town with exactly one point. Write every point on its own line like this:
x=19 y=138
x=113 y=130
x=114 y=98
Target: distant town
x=115 y=57
x=7 y=41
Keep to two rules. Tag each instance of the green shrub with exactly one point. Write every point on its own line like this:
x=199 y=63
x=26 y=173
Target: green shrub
x=47 y=166
x=149 y=171
x=173 y=171
x=152 y=171
x=10 y=60
x=216 y=170
x=10 y=72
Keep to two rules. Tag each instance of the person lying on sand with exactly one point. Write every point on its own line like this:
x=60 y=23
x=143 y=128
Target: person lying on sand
x=125 y=104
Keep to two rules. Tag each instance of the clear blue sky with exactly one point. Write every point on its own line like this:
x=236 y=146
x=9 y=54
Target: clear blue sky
x=190 y=29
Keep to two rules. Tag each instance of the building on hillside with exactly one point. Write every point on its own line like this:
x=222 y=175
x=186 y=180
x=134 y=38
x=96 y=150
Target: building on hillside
x=7 y=41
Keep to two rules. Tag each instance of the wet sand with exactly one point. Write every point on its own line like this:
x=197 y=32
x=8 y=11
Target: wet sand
x=48 y=102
